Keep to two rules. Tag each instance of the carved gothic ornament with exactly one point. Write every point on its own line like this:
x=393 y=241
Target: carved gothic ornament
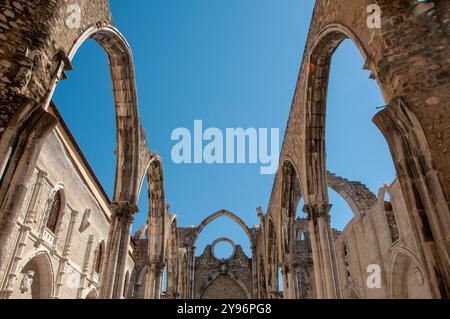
x=27 y=281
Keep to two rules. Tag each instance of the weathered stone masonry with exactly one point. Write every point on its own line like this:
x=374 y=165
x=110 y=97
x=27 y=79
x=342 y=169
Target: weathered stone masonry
x=62 y=237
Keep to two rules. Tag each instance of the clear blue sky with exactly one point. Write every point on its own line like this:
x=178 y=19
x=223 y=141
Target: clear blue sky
x=230 y=63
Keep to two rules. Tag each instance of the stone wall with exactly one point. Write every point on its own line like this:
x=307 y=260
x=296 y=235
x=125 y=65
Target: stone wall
x=408 y=58
x=228 y=279
x=372 y=240
x=32 y=34
x=83 y=226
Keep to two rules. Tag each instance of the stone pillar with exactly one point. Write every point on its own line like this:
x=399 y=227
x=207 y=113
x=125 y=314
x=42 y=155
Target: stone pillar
x=172 y=280
x=191 y=270
x=291 y=291
x=117 y=249
x=324 y=255
x=291 y=279
x=317 y=259
x=153 y=280
x=85 y=269
x=254 y=272
x=65 y=254
x=30 y=219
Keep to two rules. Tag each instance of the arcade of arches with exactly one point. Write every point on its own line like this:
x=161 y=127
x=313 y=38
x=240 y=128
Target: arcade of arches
x=62 y=237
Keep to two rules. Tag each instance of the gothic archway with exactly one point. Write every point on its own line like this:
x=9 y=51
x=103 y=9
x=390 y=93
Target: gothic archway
x=406 y=277
x=422 y=185
x=25 y=147
x=225 y=287
x=36 y=279
x=215 y=216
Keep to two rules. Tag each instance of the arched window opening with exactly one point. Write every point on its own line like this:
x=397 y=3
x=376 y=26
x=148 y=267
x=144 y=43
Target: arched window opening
x=302 y=236
x=390 y=216
x=280 y=282
x=355 y=148
x=98 y=110
x=55 y=211
x=126 y=284
x=99 y=259
x=164 y=283
x=341 y=213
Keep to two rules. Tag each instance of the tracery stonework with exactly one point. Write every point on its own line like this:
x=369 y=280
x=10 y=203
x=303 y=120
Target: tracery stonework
x=61 y=236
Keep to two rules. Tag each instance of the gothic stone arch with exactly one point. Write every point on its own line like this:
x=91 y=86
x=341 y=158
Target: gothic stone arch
x=37 y=278
x=196 y=233
x=218 y=214
x=406 y=276
x=357 y=196
x=225 y=287
x=332 y=22
x=35 y=63
x=422 y=184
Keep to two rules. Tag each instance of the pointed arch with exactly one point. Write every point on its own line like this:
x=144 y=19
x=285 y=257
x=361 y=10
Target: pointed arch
x=99 y=257
x=215 y=216
x=40 y=282
x=242 y=292
x=92 y=294
x=423 y=188
x=404 y=265
x=319 y=62
x=56 y=206
x=128 y=130
x=126 y=285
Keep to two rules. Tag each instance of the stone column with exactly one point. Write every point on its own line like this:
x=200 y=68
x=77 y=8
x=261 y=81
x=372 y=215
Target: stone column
x=172 y=281
x=254 y=272
x=85 y=269
x=65 y=254
x=291 y=279
x=324 y=255
x=30 y=219
x=289 y=269
x=117 y=249
x=191 y=271
x=153 y=280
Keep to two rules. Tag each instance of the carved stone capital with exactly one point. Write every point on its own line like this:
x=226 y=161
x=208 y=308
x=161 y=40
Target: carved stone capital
x=317 y=210
x=124 y=209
